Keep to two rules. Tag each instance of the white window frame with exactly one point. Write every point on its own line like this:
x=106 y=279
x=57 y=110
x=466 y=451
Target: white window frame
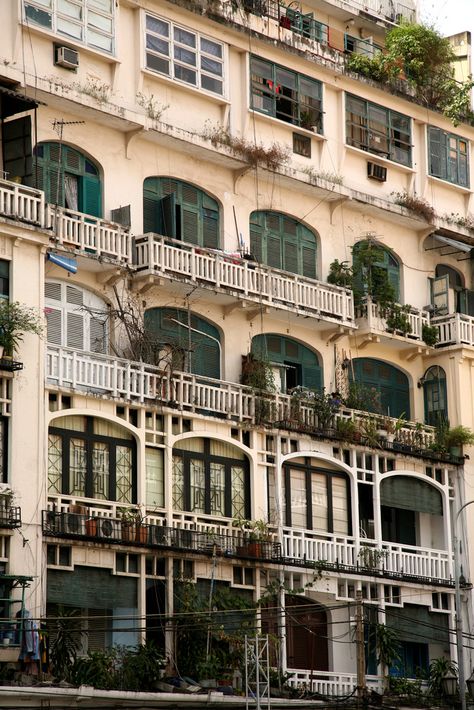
x=83 y=24
x=198 y=52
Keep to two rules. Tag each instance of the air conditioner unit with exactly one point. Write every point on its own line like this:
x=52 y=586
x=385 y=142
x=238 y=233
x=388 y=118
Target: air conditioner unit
x=73 y=524
x=376 y=172
x=105 y=528
x=66 y=57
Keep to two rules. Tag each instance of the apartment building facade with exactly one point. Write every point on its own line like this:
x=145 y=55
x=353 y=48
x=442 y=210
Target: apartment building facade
x=128 y=202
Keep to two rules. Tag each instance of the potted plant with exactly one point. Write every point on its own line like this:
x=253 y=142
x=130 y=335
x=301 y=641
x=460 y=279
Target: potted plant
x=255 y=533
x=16 y=319
x=457 y=437
x=133 y=527
x=347 y=429
x=430 y=334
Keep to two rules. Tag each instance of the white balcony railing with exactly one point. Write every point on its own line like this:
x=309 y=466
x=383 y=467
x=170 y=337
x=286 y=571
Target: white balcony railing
x=90 y=235
x=22 y=202
x=390 y=10
x=330 y=682
x=342 y=550
x=243 y=279
x=116 y=377
x=454 y=329
x=377 y=321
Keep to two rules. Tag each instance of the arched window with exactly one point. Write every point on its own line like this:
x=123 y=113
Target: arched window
x=179 y=210
x=448 y=293
x=282 y=242
x=195 y=343
x=75 y=317
x=293 y=364
x=316 y=497
x=210 y=477
x=435 y=395
x=386 y=266
x=68 y=178
x=93 y=458
x=388 y=381
x=402 y=500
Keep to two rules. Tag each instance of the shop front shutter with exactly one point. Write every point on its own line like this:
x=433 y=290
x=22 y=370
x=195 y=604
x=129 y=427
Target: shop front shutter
x=410 y=494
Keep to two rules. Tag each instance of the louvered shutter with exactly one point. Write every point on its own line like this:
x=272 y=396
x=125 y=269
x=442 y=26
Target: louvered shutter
x=290 y=252
x=52 y=290
x=75 y=330
x=308 y=259
x=210 y=228
x=273 y=248
x=437 y=153
x=189 y=225
x=97 y=335
x=205 y=359
x=17 y=148
x=54 y=326
x=166 y=208
x=90 y=199
x=312 y=377
x=256 y=241
x=151 y=220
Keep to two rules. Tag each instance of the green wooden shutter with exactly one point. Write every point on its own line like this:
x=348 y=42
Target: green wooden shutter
x=150 y=212
x=210 y=228
x=166 y=215
x=256 y=240
x=308 y=260
x=437 y=153
x=391 y=383
x=17 y=149
x=290 y=255
x=89 y=196
x=273 y=250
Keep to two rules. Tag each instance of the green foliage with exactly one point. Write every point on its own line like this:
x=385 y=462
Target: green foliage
x=323 y=408
x=439 y=667
x=16 y=319
x=387 y=645
x=65 y=636
x=407 y=687
x=424 y=59
x=340 y=273
x=370 y=279
x=364 y=398
x=458 y=436
x=96 y=669
x=397 y=318
x=120 y=668
x=141 y=667
x=430 y=334
x=346 y=428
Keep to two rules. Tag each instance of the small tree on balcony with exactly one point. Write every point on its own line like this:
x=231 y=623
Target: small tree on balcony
x=16 y=319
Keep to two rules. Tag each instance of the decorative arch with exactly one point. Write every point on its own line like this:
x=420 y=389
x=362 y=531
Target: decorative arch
x=435 y=395
x=391 y=384
x=294 y=364
x=92 y=457
x=180 y=210
x=75 y=317
x=195 y=342
x=211 y=477
x=402 y=499
x=69 y=178
x=388 y=263
x=281 y=241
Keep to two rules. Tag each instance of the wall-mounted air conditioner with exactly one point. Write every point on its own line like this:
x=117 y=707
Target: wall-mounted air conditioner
x=376 y=172
x=66 y=57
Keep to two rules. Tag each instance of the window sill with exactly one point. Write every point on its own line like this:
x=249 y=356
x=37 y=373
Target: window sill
x=292 y=126
x=215 y=98
x=70 y=42
x=448 y=184
x=375 y=156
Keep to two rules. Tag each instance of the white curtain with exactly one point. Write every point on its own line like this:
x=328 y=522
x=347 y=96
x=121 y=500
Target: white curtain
x=70 y=191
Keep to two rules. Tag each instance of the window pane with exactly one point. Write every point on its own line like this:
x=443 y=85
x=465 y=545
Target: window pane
x=211 y=84
x=211 y=47
x=154 y=477
x=158 y=44
x=187 y=75
x=319 y=497
x=70 y=9
x=238 y=492
x=102 y=5
x=184 y=37
x=197 y=486
x=185 y=55
x=77 y=467
x=100 y=41
x=39 y=17
x=340 y=506
x=158 y=26
x=178 y=483
x=210 y=65
x=217 y=481
x=55 y=453
x=298 y=498
x=65 y=27
x=100 y=470
x=100 y=22
x=157 y=64
x=123 y=474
